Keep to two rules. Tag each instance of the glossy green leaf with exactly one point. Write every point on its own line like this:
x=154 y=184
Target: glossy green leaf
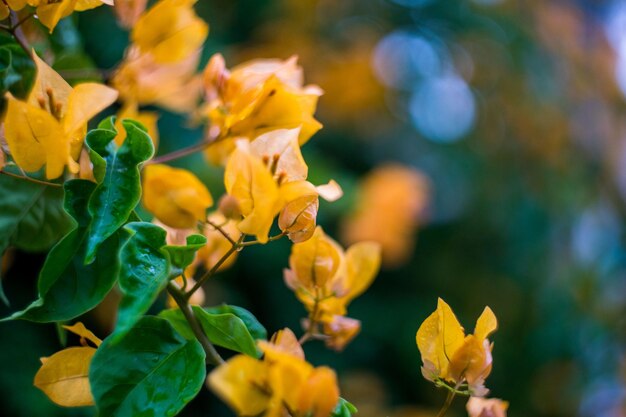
x=344 y=408
x=17 y=68
x=67 y=287
x=144 y=273
x=119 y=189
x=151 y=371
x=225 y=330
x=31 y=215
x=256 y=329
x=182 y=256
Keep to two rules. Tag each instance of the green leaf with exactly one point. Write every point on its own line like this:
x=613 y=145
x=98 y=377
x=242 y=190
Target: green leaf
x=256 y=329
x=151 y=371
x=119 y=188
x=144 y=273
x=182 y=256
x=344 y=408
x=225 y=330
x=67 y=287
x=31 y=215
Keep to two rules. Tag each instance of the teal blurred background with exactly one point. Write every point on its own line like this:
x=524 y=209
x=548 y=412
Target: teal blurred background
x=513 y=110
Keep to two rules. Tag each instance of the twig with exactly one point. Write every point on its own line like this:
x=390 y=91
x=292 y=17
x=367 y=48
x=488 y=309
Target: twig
x=446 y=404
x=222 y=231
x=270 y=239
x=36 y=181
x=234 y=248
x=212 y=356
x=181 y=152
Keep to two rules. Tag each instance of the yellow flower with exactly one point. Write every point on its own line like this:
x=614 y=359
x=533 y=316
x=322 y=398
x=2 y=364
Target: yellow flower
x=267 y=176
x=449 y=356
x=255 y=98
x=282 y=382
x=50 y=126
x=391 y=201
x=147 y=119
x=129 y=11
x=143 y=81
x=170 y=31
x=50 y=12
x=64 y=376
x=326 y=279
x=175 y=196
x=483 y=407
x=217 y=245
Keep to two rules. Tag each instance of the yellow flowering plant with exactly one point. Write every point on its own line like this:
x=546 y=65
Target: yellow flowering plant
x=139 y=228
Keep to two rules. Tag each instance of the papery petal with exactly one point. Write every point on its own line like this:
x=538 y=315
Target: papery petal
x=86 y=101
x=248 y=180
x=315 y=261
x=282 y=151
x=238 y=382
x=64 y=377
x=439 y=337
x=175 y=196
x=486 y=324
x=320 y=393
x=35 y=138
x=79 y=329
x=170 y=31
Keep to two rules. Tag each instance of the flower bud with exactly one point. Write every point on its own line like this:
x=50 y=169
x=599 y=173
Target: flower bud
x=229 y=207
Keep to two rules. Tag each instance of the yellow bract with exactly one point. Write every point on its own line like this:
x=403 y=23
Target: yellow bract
x=64 y=376
x=391 y=202
x=255 y=98
x=282 y=381
x=449 y=355
x=170 y=31
x=50 y=12
x=175 y=196
x=268 y=176
x=217 y=245
x=483 y=407
x=146 y=118
x=326 y=280
x=49 y=127
x=248 y=179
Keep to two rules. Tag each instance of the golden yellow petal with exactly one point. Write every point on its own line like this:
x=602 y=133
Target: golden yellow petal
x=248 y=180
x=320 y=393
x=48 y=87
x=35 y=138
x=439 y=337
x=64 y=377
x=315 y=262
x=175 y=196
x=86 y=101
x=486 y=324
x=362 y=265
x=79 y=329
x=238 y=382
x=281 y=149
x=49 y=14
x=170 y=31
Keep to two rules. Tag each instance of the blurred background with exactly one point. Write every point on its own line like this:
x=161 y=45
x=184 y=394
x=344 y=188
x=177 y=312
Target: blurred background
x=482 y=142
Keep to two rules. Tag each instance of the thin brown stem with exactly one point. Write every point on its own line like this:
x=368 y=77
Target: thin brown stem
x=212 y=356
x=446 y=404
x=181 y=152
x=270 y=239
x=17 y=33
x=22 y=20
x=234 y=248
x=26 y=178
x=223 y=232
